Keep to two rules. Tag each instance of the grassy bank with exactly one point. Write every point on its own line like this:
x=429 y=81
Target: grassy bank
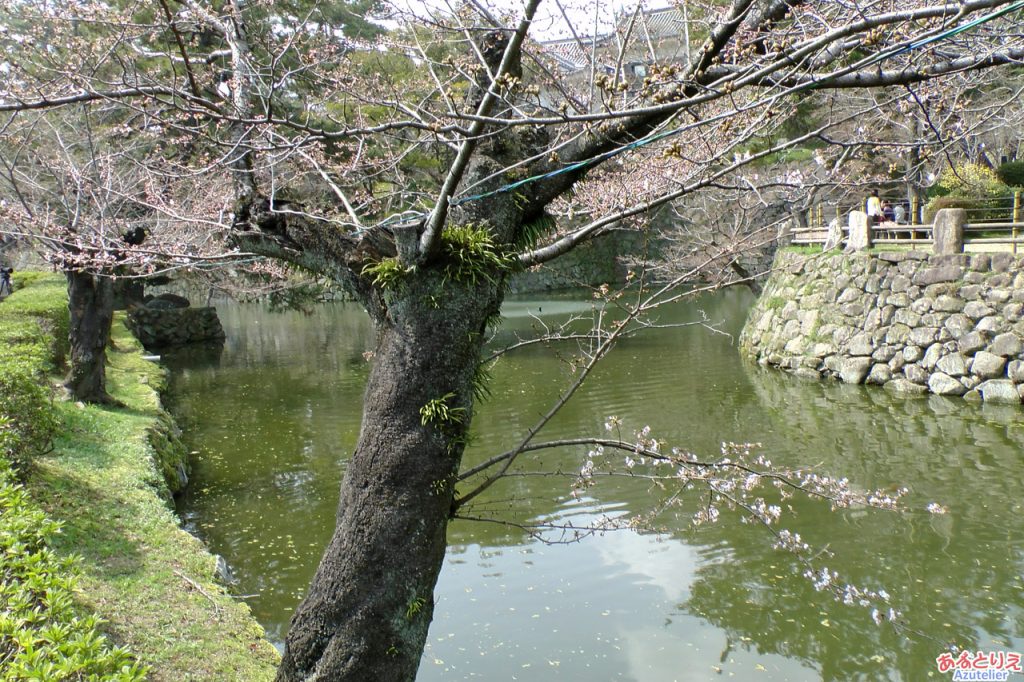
x=149 y=581
x=44 y=635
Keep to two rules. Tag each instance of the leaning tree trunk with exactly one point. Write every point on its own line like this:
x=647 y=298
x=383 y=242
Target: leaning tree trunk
x=371 y=601
x=91 y=308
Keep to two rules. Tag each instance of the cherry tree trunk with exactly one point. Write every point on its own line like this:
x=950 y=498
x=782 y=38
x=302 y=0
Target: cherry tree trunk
x=371 y=601
x=91 y=308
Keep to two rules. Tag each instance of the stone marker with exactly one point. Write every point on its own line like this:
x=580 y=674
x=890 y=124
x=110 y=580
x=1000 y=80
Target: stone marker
x=860 y=232
x=948 y=231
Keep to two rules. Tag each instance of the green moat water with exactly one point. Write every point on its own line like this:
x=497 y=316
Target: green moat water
x=275 y=415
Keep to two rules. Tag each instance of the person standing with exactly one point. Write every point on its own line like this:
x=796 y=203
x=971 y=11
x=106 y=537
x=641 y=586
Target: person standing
x=874 y=208
x=887 y=211
x=899 y=214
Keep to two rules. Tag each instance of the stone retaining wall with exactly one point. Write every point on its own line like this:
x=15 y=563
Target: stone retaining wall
x=161 y=328
x=911 y=321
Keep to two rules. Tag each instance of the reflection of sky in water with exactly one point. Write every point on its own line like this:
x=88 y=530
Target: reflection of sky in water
x=544 y=309
x=276 y=414
x=650 y=561
x=527 y=613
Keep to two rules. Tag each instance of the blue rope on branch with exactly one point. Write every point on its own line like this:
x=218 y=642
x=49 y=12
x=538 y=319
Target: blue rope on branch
x=655 y=137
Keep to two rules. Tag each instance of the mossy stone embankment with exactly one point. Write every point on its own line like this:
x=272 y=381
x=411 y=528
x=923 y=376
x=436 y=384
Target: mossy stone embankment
x=150 y=582
x=164 y=327
x=914 y=322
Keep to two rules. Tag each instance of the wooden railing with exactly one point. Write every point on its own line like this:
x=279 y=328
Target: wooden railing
x=984 y=229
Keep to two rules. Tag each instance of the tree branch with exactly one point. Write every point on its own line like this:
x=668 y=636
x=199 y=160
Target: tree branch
x=575 y=238
x=720 y=37
x=86 y=97
x=432 y=232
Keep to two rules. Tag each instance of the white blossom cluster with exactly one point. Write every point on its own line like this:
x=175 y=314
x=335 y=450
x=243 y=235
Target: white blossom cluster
x=735 y=482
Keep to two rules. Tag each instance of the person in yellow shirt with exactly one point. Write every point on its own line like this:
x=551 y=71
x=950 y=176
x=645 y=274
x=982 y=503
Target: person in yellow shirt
x=874 y=207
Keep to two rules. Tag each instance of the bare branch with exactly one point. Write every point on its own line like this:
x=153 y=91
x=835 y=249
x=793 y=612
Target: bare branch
x=432 y=230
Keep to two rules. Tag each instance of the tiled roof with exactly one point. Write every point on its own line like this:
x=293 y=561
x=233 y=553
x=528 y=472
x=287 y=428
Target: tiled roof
x=571 y=54
x=660 y=23
x=653 y=25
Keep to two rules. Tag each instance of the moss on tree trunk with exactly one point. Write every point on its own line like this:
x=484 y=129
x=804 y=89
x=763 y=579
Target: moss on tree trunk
x=371 y=601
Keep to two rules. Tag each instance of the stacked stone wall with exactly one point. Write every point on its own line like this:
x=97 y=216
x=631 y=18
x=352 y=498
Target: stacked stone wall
x=162 y=327
x=910 y=321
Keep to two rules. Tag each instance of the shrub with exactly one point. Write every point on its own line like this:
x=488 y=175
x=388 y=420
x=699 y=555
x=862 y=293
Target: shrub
x=41 y=635
x=996 y=208
x=972 y=180
x=1012 y=173
x=28 y=278
x=29 y=319
x=42 y=298
x=26 y=410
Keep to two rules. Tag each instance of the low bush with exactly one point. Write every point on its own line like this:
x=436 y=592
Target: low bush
x=1012 y=173
x=26 y=410
x=995 y=208
x=972 y=180
x=42 y=637
x=40 y=298
x=28 y=321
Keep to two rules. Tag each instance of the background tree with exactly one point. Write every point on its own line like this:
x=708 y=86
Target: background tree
x=76 y=189
x=527 y=167
x=64 y=183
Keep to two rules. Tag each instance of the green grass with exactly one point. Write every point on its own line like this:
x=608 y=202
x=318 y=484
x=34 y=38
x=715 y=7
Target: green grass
x=97 y=579
x=890 y=248
x=44 y=634
x=786 y=156
x=814 y=335
x=805 y=249
x=146 y=577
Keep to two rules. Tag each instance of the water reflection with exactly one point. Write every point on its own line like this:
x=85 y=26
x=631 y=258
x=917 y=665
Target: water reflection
x=275 y=418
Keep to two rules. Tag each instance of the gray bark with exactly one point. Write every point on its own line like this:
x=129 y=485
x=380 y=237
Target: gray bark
x=91 y=308
x=371 y=601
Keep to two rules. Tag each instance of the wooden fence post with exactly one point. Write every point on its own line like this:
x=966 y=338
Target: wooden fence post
x=915 y=216
x=1016 y=219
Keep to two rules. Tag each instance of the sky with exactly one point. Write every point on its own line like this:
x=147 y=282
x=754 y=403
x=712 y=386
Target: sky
x=550 y=23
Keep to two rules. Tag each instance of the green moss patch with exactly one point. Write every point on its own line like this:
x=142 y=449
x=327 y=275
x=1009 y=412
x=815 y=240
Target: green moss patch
x=804 y=249
x=151 y=582
x=93 y=563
